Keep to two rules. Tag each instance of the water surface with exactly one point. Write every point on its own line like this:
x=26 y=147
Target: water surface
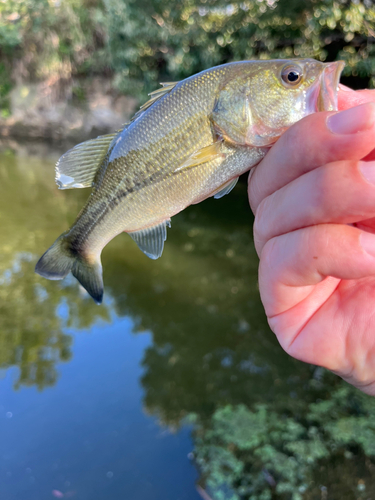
x=175 y=385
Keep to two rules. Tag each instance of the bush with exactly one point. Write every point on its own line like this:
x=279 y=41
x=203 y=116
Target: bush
x=143 y=42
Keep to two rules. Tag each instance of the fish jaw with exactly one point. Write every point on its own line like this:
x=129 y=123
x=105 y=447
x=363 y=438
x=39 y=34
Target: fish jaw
x=327 y=98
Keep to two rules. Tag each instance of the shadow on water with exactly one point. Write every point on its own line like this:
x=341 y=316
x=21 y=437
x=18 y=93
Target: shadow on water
x=264 y=425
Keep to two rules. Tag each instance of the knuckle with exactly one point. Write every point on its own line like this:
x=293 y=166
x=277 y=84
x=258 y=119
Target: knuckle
x=268 y=250
x=261 y=222
x=268 y=261
x=291 y=137
x=294 y=138
x=254 y=189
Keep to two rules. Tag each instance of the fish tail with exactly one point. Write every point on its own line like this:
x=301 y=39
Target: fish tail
x=61 y=258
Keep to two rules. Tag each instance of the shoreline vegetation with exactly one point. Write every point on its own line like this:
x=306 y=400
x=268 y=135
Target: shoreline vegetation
x=75 y=68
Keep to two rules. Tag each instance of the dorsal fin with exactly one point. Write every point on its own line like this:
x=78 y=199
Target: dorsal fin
x=151 y=240
x=154 y=97
x=78 y=166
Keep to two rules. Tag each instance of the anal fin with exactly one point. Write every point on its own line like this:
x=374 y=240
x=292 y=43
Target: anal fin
x=151 y=240
x=226 y=188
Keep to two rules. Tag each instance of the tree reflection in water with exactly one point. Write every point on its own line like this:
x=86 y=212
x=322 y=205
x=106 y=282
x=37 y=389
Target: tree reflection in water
x=265 y=425
x=31 y=319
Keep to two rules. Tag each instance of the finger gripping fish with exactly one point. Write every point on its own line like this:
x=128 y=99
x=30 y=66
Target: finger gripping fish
x=190 y=141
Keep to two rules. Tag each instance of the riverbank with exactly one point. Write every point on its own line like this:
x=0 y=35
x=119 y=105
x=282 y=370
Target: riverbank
x=65 y=111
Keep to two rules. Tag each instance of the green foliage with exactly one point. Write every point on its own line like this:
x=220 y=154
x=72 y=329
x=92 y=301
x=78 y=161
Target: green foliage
x=41 y=39
x=10 y=16
x=267 y=450
x=143 y=42
x=155 y=40
x=5 y=87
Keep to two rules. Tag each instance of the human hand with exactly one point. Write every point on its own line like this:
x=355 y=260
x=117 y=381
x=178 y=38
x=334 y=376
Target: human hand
x=314 y=231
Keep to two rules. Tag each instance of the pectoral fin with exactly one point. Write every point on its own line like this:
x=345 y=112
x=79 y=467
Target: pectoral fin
x=225 y=189
x=204 y=155
x=77 y=167
x=151 y=240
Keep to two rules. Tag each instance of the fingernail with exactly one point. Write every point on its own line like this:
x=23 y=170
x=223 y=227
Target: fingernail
x=367 y=241
x=353 y=120
x=367 y=169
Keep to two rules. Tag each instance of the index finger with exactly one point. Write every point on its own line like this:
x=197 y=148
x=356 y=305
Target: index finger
x=348 y=98
x=318 y=139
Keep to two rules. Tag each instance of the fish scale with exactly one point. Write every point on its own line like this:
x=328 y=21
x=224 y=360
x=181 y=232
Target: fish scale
x=190 y=141
x=169 y=140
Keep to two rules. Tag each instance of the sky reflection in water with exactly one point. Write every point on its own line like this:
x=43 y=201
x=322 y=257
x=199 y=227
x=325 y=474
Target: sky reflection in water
x=89 y=437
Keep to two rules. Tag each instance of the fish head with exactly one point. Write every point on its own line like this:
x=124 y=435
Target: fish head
x=255 y=108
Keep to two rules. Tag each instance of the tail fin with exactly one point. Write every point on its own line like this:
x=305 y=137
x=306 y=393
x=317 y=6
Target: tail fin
x=60 y=259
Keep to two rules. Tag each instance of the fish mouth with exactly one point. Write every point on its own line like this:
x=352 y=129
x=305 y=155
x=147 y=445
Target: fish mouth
x=329 y=83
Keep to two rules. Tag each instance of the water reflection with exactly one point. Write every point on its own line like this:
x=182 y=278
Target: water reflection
x=31 y=328
x=266 y=426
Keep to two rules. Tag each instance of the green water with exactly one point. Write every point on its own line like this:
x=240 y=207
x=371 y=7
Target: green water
x=175 y=384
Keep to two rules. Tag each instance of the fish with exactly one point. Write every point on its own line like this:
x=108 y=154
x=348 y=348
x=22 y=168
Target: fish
x=190 y=141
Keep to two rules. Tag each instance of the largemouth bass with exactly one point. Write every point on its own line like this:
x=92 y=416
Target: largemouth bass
x=190 y=141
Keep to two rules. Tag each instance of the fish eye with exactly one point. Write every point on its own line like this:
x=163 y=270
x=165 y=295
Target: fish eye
x=291 y=75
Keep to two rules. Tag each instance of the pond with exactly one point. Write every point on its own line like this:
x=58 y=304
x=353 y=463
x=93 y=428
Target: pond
x=175 y=387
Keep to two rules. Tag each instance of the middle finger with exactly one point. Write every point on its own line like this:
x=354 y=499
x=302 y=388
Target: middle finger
x=340 y=192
